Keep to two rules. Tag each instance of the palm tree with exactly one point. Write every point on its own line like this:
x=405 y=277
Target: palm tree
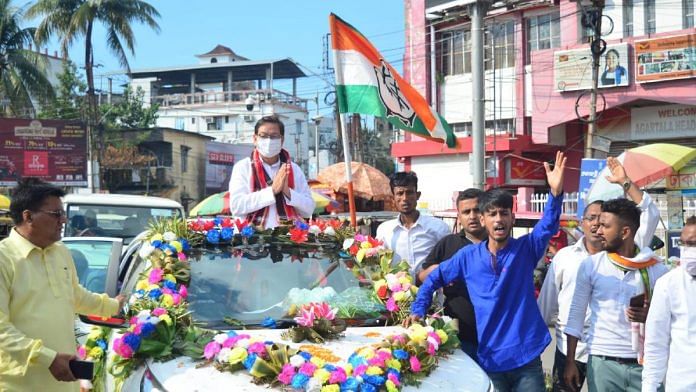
x=73 y=19
x=21 y=70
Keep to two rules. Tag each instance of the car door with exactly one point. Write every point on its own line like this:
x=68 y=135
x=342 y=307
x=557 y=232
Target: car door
x=96 y=261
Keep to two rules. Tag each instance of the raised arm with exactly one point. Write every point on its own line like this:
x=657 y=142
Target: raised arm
x=550 y=221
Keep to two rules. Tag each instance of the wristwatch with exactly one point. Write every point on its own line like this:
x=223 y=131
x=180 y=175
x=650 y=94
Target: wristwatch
x=626 y=185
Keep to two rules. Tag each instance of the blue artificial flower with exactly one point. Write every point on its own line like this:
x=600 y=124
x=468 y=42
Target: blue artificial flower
x=400 y=354
x=249 y=361
x=213 y=236
x=156 y=243
x=140 y=293
x=268 y=322
x=356 y=360
x=168 y=249
x=269 y=342
x=301 y=225
x=226 y=233
x=299 y=381
x=394 y=372
x=217 y=221
x=374 y=380
x=101 y=343
x=147 y=329
x=155 y=294
x=231 y=333
x=247 y=231
x=367 y=387
x=351 y=384
x=170 y=285
x=185 y=244
x=307 y=356
x=132 y=340
x=329 y=367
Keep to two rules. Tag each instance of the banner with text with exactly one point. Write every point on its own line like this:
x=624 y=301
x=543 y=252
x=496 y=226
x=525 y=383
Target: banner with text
x=52 y=150
x=572 y=69
x=220 y=158
x=663 y=122
x=589 y=170
x=666 y=58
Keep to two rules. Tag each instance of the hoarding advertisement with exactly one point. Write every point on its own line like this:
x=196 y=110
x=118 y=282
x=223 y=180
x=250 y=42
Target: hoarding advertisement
x=589 y=170
x=666 y=58
x=572 y=69
x=52 y=150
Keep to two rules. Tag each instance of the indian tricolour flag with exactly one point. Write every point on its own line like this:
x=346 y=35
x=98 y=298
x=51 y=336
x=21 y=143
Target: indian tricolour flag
x=367 y=84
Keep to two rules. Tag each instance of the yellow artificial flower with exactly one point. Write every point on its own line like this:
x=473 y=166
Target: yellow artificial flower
x=391 y=387
x=414 y=289
x=165 y=317
x=417 y=333
x=152 y=287
x=142 y=285
x=361 y=255
x=374 y=371
x=170 y=278
x=330 y=388
x=157 y=237
x=167 y=301
x=96 y=352
x=405 y=279
x=237 y=355
x=322 y=374
x=349 y=369
x=366 y=245
x=443 y=335
x=393 y=363
x=366 y=352
x=94 y=333
x=317 y=361
x=177 y=245
x=399 y=296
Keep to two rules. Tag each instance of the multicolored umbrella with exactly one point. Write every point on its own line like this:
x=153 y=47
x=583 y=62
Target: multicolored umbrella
x=644 y=165
x=219 y=204
x=368 y=182
x=4 y=202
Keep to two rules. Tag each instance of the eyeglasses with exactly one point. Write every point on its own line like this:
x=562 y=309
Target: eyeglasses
x=272 y=137
x=690 y=244
x=591 y=218
x=56 y=214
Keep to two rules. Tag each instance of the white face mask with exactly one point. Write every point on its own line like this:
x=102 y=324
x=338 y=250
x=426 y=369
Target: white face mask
x=268 y=147
x=687 y=259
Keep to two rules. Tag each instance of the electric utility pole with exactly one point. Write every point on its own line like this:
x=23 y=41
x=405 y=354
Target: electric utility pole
x=597 y=47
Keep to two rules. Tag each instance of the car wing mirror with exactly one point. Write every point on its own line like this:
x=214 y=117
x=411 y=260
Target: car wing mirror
x=113 y=321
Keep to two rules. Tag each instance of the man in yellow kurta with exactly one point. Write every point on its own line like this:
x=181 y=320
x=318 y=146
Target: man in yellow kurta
x=40 y=294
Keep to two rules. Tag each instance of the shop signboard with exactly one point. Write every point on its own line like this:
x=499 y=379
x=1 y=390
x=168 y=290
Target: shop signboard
x=220 y=158
x=683 y=179
x=52 y=150
x=663 y=122
x=589 y=170
x=666 y=58
x=572 y=69
x=521 y=171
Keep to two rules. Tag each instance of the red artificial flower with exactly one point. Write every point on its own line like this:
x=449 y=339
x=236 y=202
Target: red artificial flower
x=354 y=249
x=196 y=225
x=298 y=235
x=335 y=223
x=382 y=291
x=240 y=224
x=374 y=242
x=208 y=225
x=226 y=222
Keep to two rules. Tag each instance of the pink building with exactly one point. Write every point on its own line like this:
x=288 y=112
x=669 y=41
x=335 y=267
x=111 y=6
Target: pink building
x=538 y=69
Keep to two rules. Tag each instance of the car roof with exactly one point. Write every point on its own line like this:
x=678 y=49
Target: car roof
x=120 y=200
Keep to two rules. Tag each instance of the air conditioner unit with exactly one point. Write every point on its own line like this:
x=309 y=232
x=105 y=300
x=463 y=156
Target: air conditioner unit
x=210 y=120
x=248 y=118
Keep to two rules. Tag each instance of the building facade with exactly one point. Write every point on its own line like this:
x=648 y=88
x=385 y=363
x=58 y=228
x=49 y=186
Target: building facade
x=537 y=77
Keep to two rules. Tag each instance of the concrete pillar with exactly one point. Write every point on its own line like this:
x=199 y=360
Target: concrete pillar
x=477 y=12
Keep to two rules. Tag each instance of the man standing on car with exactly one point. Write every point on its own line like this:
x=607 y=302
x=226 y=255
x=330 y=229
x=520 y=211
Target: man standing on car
x=40 y=294
x=611 y=282
x=559 y=285
x=267 y=186
x=499 y=276
x=457 y=301
x=411 y=235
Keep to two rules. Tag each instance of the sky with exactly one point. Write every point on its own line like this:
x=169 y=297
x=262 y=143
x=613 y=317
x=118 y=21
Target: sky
x=258 y=30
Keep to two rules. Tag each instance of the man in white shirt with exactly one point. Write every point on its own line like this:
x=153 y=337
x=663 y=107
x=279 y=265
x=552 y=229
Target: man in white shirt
x=267 y=186
x=559 y=285
x=671 y=327
x=610 y=282
x=411 y=235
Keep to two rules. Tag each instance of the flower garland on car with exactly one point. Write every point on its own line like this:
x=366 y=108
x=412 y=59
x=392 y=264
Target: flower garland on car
x=401 y=359
x=316 y=322
x=94 y=350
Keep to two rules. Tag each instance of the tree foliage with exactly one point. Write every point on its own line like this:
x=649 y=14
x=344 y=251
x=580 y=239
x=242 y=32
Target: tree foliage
x=129 y=112
x=69 y=102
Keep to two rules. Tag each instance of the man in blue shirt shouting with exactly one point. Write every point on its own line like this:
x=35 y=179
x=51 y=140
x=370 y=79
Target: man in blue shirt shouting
x=499 y=274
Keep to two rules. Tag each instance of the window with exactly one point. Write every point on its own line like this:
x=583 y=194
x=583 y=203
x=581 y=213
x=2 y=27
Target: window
x=543 y=32
x=184 y=158
x=627 y=10
x=461 y=128
x=502 y=36
x=688 y=12
x=500 y=127
x=649 y=16
x=454 y=52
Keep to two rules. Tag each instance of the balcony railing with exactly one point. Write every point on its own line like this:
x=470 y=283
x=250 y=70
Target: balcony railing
x=225 y=97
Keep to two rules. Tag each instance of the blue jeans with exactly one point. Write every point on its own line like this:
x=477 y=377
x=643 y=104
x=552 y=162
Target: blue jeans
x=527 y=378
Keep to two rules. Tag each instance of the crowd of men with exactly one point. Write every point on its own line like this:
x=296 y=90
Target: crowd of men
x=623 y=322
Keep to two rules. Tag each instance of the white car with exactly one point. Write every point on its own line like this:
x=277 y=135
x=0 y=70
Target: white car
x=241 y=287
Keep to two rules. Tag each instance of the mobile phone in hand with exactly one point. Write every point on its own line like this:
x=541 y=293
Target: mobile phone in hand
x=637 y=301
x=82 y=370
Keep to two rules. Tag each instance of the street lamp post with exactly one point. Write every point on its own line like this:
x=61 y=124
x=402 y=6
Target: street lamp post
x=317 y=120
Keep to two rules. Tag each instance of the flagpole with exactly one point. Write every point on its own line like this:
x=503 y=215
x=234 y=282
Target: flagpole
x=346 y=147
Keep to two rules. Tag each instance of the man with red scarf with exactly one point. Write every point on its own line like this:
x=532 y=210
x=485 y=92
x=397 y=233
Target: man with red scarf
x=268 y=186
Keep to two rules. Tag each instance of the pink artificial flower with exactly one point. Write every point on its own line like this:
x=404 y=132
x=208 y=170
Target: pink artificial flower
x=257 y=348
x=338 y=376
x=323 y=310
x=400 y=339
x=159 y=311
x=138 y=328
x=133 y=320
x=167 y=291
x=435 y=336
x=156 y=275
x=183 y=291
x=431 y=349
x=286 y=374
x=396 y=287
x=360 y=237
x=308 y=369
x=393 y=378
x=211 y=349
x=360 y=370
x=391 y=305
x=415 y=364
x=306 y=318
x=122 y=349
x=176 y=298
x=181 y=256
x=376 y=361
x=82 y=352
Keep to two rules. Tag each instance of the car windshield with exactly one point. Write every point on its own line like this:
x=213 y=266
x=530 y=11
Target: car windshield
x=235 y=287
x=124 y=222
